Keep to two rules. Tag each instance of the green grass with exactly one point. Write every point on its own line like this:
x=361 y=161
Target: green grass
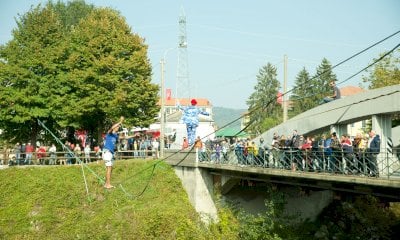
x=51 y=202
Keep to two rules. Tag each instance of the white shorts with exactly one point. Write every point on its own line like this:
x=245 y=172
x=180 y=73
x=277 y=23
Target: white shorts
x=107 y=157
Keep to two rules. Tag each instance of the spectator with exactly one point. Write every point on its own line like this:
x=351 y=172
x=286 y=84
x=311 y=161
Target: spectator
x=218 y=150
x=374 y=148
x=17 y=151
x=347 y=147
x=53 y=155
x=334 y=96
x=185 y=143
x=225 y=147
x=198 y=144
x=86 y=151
x=155 y=144
x=41 y=155
x=28 y=150
x=98 y=153
x=23 y=151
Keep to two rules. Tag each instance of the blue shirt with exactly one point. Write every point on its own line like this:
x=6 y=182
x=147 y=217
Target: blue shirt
x=110 y=141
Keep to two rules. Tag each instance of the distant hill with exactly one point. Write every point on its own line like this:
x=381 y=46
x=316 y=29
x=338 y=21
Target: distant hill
x=223 y=116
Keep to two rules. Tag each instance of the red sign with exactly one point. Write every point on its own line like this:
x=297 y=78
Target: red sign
x=279 y=98
x=168 y=93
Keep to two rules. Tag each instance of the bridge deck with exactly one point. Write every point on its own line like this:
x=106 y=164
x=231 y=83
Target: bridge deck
x=385 y=186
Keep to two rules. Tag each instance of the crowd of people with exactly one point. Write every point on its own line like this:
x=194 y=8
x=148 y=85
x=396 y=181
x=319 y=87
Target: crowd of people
x=72 y=152
x=347 y=155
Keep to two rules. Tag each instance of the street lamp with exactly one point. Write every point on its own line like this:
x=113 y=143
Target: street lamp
x=162 y=110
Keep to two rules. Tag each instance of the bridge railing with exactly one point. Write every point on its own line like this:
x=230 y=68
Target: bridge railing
x=386 y=164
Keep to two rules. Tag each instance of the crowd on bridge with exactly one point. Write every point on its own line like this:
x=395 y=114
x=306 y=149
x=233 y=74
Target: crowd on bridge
x=344 y=154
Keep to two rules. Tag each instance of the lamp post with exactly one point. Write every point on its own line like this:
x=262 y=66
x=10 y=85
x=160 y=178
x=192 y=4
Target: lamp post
x=162 y=109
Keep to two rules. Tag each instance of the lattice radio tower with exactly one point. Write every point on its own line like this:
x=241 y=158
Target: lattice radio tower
x=182 y=78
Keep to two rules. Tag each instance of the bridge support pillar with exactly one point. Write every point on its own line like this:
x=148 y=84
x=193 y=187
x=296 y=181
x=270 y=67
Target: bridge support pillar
x=382 y=125
x=198 y=184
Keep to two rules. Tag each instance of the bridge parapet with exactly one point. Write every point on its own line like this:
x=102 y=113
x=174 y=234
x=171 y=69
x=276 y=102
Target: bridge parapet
x=183 y=158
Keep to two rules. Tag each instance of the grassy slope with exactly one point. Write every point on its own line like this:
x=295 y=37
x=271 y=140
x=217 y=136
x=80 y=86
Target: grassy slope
x=52 y=203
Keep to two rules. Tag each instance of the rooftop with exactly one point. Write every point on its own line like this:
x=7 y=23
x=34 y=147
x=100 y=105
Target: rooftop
x=201 y=102
x=350 y=90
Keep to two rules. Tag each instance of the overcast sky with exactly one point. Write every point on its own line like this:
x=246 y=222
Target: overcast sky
x=229 y=41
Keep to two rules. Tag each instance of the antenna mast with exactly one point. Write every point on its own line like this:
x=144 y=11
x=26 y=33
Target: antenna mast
x=182 y=84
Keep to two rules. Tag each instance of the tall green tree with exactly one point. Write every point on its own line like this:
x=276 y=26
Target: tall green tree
x=264 y=109
x=29 y=62
x=300 y=97
x=385 y=72
x=74 y=66
x=107 y=74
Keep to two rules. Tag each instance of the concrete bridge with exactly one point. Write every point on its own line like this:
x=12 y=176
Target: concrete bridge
x=200 y=178
x=308 y=192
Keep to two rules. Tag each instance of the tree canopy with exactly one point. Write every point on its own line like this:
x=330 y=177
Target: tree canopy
x=74 y=65
x=385 y=72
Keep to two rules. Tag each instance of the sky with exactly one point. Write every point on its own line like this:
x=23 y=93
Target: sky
x=228 y=42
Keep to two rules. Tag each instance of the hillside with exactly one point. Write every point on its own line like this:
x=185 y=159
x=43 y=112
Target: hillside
x=223 y=116
x=51 y=202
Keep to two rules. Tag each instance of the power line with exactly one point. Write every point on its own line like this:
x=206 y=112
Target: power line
x=253 y=34
x=355 y=74
x=268 y=103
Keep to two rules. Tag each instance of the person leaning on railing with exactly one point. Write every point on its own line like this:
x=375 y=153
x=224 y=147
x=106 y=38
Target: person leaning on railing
x=374 y=148
x=336 y=153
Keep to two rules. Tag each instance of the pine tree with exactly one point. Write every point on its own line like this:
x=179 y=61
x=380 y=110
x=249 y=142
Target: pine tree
x=300 y=97
x=320 y=83
x=264 y=110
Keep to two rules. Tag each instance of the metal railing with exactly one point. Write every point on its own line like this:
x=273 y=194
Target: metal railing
x=386 y=164
x=61 y=158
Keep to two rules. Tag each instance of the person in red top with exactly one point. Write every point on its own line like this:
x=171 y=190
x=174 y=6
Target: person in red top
x=41 y=154
x=28 y=150
x=185 y=143
x=306 y=147
x=347 y=147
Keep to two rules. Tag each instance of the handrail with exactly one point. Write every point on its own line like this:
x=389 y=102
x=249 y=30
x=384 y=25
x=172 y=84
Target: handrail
x=386 y=164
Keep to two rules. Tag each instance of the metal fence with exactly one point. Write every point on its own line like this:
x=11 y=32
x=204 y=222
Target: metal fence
x=362 y=163
x=61 y=158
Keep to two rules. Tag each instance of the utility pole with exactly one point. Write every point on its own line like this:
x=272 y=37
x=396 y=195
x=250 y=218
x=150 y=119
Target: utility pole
x=284 y=97
x=162 y=114
x=162 y=102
